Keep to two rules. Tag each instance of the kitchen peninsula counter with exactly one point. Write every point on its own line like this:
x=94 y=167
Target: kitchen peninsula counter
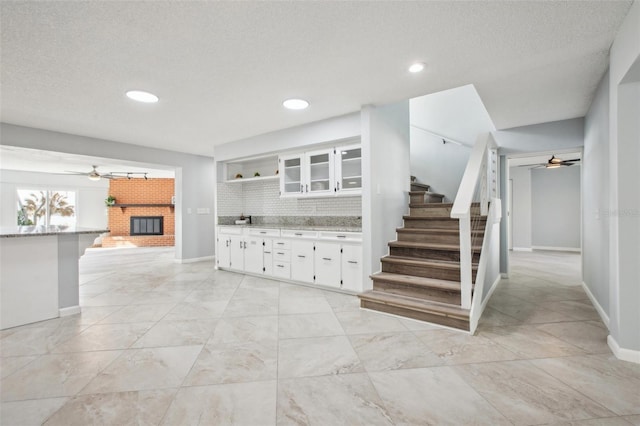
x=39 y=278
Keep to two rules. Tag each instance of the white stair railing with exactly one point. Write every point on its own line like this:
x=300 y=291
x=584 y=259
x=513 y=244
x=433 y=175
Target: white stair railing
x=478 y=185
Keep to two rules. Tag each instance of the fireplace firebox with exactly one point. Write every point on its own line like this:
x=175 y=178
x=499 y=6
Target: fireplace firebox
x=146 y=225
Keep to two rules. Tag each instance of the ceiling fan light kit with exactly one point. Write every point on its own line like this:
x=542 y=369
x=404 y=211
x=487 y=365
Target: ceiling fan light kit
x=95 y=176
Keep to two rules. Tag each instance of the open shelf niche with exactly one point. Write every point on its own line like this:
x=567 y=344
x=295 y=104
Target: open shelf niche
x=266 y=167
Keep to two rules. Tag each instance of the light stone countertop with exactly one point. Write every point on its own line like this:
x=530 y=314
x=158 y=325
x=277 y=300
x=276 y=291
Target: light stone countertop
x=39 y=231
x=301 y=227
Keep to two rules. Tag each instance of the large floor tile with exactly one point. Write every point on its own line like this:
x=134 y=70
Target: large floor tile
x=295 y=290
x=309 y=325
x=149 y=368
x=196 y=310
x=391 y=351
x=55 y=375
x=529 y=342
x=340 y=302
x=120 y=408
x=32 y=412
x=433 y=396
x=238 y=404
x=590 y=336
x=364 y=322
x=235 y=362
x=177 y=333
x=138 y=313
x=304 y=305
x=577 y=309
x=454 y=347
x=613 y=383
x=243 y=307
x=100 y=337
x=9 y=365
x=245 y=329
x=317 y=356
x=527 y=395
x=36 y=340
x=346 y=399
x=531 y=314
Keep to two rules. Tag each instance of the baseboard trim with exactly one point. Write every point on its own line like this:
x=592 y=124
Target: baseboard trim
x=492 y=290
x=195 y=259
x=71 y=310
x=623 y=354
x=504 y=275
x=545 y=248
x=594 y=302
x=522 y=249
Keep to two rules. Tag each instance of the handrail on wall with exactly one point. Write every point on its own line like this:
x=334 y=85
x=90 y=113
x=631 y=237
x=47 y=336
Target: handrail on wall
x=478 y=175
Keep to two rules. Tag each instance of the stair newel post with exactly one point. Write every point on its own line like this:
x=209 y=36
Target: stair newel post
x=465 y=261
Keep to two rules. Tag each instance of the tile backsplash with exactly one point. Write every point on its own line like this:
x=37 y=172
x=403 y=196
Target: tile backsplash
x=262 y=198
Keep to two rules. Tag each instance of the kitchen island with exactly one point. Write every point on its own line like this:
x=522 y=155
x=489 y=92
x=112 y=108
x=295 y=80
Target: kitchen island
x=39 y=276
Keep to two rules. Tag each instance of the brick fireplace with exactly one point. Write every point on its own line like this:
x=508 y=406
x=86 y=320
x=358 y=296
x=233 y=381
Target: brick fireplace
x=142 y=205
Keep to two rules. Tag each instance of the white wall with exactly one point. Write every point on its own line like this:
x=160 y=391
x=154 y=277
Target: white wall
x=555 y=203
x=385 y=198
x=623 y=188
x=194 y=179
x=439 y=165
x=90 y=209
x=595 y=198
x=521 y=210
x=544 y=137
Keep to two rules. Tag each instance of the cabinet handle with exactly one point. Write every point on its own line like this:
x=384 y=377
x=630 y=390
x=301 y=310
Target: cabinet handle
x=341 y=236
x=299 y=234
x=352 y=261
x=240 y=244
x=227 y=243
x=301 y=188
x=301 y=256
x=263 y=232
x=326 y=258
x=338 y=185
x=307 y=188
x=245 y=244
x=280 y=244
x=267 y=252
x=280 y=266
x=282 y=254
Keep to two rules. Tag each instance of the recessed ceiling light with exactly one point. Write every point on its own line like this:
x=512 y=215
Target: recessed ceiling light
x=417 y=67
x=295 y=104
x=142 y=96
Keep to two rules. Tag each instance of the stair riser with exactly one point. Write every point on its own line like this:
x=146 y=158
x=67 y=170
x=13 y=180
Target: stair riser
x=453 y=238
x=423 y=253
x=416 y=199
x=432 y=198
x=410 y=313
x=439 y=211
x=425 y=271
x=432 y=224
x=433 y=294
x=430 y=212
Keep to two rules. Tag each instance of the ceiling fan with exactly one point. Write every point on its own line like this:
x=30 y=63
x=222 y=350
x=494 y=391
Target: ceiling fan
x=553 y=163
x=95 y=176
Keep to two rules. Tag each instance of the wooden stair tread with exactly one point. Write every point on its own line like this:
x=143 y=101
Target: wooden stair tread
x=417 y=281
x=422 y=305
x=420 y=185
x=481 y=218
x=435 y=246
x=426 y=192
x=432 y=205
x=445 y=264
x=435 y=231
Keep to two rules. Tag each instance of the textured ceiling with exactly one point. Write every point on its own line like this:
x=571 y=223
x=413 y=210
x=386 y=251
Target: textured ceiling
x=222 y=69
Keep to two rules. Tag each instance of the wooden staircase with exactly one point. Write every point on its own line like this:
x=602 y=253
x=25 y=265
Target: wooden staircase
x=420 y=277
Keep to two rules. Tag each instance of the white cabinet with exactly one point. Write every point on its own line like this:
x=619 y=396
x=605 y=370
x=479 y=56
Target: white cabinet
x=327 y=264
x=267 y=256
x=325 y=172
x=351 y=267
x=236 y=244
x=302 y=261
x=223 y=254
x=282 y=259
x=254 y=255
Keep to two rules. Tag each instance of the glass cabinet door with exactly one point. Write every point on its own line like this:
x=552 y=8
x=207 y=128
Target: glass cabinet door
x=350 y=176
x=291 y=175
x=320 y=166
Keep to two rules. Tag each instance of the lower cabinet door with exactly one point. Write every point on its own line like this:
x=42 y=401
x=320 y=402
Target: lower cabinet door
x=253 y=261
x=302 y=261
x=223 y=255
x=327 y=264
x=236 y=247
x=352 y=267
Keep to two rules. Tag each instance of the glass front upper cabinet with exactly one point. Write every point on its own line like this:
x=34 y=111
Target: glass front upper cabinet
x=321 y=169
x=291 y=181
x=349 y=174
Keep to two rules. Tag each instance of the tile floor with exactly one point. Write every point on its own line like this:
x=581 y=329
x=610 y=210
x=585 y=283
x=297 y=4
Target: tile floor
x=165 y=343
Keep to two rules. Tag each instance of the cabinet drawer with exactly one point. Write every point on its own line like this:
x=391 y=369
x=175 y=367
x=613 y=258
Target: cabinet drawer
x=341 y=236
x=291 y=233
x=281 y=255
x=282 y=269
x=281 y=244
x=230 y=230
x=264 y=232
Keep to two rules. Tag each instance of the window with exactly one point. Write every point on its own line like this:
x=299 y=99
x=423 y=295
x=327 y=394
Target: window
x=46 y=207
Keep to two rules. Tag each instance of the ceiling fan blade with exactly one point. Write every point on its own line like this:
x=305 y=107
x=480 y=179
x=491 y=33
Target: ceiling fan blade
x=69 y=172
